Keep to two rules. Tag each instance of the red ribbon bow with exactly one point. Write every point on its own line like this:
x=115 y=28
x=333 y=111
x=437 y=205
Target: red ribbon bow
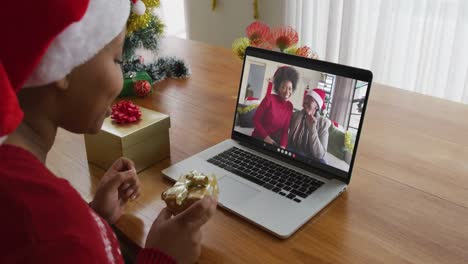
x=125 y=112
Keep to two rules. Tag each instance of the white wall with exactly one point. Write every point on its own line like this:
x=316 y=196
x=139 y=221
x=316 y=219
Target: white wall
x=173 y=16
x=229 y=20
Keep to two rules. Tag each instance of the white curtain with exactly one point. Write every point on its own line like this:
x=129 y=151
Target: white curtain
x=417 y=45
x=341 y=110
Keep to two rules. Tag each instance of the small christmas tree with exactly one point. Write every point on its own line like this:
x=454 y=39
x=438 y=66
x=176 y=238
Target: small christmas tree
x=145 y=30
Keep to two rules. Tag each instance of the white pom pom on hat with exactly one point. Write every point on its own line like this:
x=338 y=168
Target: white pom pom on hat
x=138 y=7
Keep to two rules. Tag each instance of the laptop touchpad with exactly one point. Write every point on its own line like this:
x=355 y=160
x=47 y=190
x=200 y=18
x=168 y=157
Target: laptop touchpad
x=233 y=191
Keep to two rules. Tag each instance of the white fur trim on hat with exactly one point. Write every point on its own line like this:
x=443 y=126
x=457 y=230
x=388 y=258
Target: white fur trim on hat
x=102 y=22
x=316 y=97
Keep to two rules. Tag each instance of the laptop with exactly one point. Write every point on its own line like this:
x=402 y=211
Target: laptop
x=275 y=184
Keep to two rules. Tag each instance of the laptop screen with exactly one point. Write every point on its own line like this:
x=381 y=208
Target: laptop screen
x=308 y=115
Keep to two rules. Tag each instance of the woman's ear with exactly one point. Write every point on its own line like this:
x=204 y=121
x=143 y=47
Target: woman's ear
x=63 y=83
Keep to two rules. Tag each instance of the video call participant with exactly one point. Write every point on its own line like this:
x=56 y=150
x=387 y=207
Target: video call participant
x=274 y=113
x=308 y=133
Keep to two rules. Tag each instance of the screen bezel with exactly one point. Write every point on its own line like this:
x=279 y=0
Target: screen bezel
x=316 y=65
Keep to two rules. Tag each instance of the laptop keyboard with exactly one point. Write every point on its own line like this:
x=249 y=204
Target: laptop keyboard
x=279 y=179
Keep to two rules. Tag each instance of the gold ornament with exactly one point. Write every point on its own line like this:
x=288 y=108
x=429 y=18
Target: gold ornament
x=255 y=8
x=213 y=5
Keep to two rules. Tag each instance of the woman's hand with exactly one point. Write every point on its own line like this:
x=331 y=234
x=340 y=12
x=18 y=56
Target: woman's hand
x=119 y=184
x=180 y=236
x=311 y=120
x=269 y=140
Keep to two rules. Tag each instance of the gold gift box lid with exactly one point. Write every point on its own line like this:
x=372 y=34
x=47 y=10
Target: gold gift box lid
x=133 y=133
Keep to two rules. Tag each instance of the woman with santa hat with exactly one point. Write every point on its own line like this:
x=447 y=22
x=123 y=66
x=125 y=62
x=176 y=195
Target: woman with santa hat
x=308 y=134
x=60 y=67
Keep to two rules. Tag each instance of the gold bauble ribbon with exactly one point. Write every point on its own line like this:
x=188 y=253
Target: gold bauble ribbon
x=193 y=181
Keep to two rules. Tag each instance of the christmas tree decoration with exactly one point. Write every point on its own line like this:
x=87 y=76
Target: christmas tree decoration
x=141 y=15
x=147 y=38
x=284 y=39
x=165 y=67
x=175 y=68
x=142 y=88
x=144 y=31
x=138 y=7
x=129 y=83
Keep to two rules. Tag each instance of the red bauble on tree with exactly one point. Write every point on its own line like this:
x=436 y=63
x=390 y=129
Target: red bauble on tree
x=142 y=88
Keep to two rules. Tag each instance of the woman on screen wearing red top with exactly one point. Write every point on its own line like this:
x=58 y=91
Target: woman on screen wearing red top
x=273 y=115
x=60 y=68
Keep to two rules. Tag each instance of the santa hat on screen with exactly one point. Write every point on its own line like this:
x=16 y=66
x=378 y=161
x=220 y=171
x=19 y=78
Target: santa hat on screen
x=319 y=97
x=47 y=41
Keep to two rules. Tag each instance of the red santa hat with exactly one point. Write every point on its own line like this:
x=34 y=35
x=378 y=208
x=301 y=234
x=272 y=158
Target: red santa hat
x=45 y=40
x=319 y=97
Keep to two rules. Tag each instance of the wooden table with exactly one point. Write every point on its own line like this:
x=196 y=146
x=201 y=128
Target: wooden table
x=408 y=198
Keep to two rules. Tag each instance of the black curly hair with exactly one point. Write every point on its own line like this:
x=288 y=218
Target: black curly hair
x=285 y=73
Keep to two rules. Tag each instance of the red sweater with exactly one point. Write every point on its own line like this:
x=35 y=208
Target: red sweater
x=272 y=119
x=44 y=220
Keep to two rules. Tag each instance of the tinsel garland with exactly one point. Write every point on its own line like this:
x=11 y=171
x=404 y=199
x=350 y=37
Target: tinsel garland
x=164 y=67
x=145 y=30
x=137 y=22
x=148 y=38
x=151 y=3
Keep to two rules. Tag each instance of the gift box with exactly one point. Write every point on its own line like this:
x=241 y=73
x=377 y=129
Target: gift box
x=129 y=82
x=188 y=189
x=145 y=141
